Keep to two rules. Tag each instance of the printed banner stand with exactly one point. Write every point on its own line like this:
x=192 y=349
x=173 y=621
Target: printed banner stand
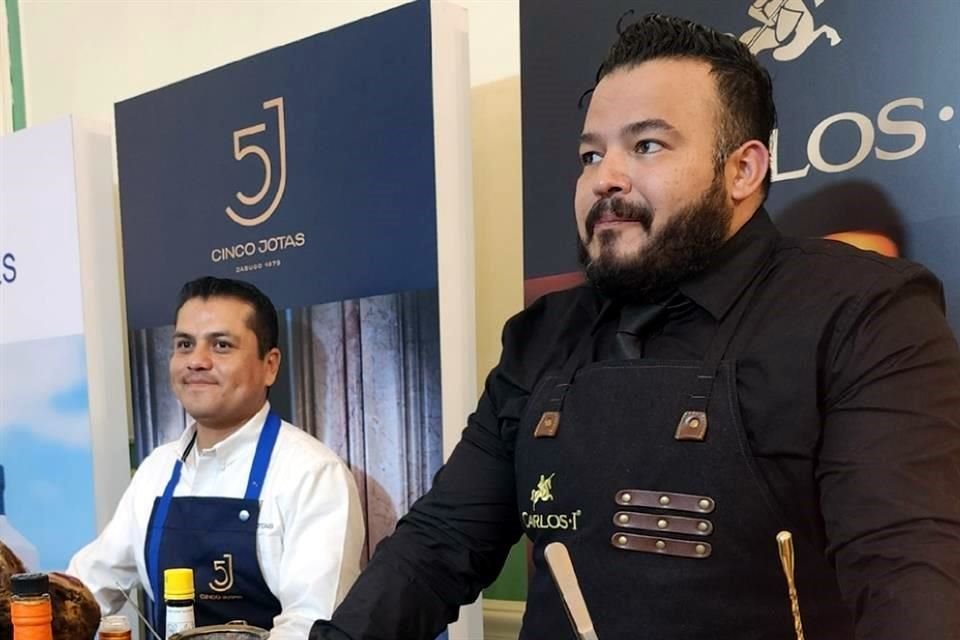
x=334 y=174
x=64 y=440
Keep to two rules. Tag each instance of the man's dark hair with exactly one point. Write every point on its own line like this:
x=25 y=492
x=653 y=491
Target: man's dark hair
x=743 y=85
x=263 y=320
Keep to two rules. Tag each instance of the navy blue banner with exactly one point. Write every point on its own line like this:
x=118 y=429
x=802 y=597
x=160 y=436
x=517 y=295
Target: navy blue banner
x=307 y=170
x=868 y=95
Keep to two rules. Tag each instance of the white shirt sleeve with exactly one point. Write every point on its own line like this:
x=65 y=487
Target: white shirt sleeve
x=109 y=562
x=322 y=544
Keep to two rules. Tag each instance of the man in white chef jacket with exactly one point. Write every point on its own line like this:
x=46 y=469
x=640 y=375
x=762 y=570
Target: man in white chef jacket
x=267 y=517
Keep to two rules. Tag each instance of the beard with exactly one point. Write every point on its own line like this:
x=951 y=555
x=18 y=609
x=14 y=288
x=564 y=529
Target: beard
x=685 y=245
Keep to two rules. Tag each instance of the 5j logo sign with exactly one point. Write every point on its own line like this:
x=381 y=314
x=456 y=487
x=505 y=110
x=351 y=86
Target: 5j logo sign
x=243 y=148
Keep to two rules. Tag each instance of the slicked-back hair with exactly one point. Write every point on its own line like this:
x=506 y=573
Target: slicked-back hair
x=263 y=321
x=747 y=110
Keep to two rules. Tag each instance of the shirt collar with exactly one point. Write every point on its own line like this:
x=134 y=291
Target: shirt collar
x=234 y=445
x=717 y=287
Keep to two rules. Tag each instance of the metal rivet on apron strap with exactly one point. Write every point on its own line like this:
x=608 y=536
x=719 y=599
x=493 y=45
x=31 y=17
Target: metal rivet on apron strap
x=548 y=425
x=663 y=546
x=673 y=524
x=693 y=422
x=664 y=500
x=549 y=421
x=244 y=515
x=692 y=426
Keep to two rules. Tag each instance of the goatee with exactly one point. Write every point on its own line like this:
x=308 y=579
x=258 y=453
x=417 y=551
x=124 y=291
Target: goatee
x=685 y=245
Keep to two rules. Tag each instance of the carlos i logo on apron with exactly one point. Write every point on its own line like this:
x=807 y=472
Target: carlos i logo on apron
x=543 y=492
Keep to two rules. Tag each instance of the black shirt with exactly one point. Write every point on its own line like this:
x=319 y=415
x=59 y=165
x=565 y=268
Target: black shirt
x=848 y=379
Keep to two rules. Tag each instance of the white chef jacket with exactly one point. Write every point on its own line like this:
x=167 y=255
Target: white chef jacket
x=309 y=536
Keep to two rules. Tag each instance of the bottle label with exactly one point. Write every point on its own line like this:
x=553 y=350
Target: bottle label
x=179 y=619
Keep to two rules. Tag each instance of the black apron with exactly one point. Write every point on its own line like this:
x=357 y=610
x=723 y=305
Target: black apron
x=643 y=470
x=217 y=538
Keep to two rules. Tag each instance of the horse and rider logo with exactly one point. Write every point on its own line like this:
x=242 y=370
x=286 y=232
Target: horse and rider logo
x=787 y=27
x=544 y=490
x=567 y=521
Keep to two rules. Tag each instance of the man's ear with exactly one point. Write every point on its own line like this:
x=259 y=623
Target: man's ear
x=272 y=364
x=746 y=169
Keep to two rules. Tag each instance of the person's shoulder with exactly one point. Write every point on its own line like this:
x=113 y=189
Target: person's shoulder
x=302 y=450
x=543 y=335
x=842 y=266
x=161 y=457
x=155 y=469
x=565 y=308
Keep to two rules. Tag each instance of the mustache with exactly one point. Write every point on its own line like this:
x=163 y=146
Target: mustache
x=194 y=379
x=618 y=208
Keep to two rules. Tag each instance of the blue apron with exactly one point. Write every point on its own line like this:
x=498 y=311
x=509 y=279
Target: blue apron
x=217 y=538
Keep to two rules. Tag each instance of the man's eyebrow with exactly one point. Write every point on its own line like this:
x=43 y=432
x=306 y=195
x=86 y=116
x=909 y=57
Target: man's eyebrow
x=588 y=138
x=632 y=129
x=643 y=126
x=212 y=334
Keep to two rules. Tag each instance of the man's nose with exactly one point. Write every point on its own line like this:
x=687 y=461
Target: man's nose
x=199 y=359
x=611 y=176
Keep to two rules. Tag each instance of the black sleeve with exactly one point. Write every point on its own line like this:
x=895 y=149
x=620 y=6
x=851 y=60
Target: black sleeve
x=455 y=539
x=889 y=466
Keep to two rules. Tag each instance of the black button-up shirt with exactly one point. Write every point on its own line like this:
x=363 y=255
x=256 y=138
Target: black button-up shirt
x=848 y=378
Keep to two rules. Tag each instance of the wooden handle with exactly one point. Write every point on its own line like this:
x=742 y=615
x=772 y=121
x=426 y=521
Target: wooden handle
x=561 y=567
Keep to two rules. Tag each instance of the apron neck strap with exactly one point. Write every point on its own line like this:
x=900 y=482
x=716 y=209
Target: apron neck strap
x=156 y=534
x=693 y=421
x=261 y=459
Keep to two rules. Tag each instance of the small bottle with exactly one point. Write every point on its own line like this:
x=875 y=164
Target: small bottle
x=115 y=628
x=178 y=595
x=30 y=609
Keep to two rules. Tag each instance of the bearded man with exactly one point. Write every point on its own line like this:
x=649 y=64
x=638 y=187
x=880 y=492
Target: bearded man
x=712 y=384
